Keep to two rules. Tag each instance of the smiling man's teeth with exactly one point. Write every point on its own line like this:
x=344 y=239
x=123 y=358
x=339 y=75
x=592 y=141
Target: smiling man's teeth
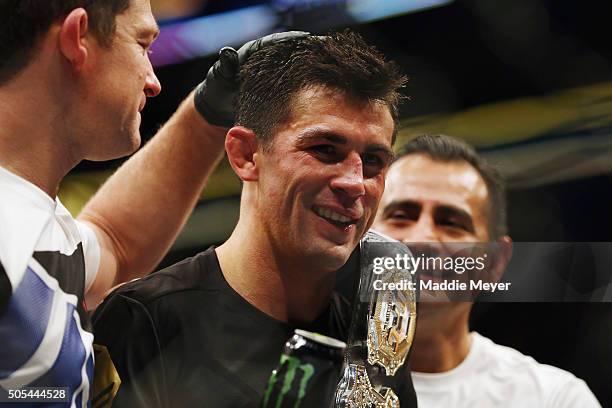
x=329 y=214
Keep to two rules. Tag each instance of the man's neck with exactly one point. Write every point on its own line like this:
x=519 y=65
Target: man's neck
x=33 y=138
x=286 y=290
x=442 y=339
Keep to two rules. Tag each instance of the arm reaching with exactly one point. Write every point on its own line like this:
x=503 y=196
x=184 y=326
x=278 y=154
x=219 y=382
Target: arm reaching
x=140 y=210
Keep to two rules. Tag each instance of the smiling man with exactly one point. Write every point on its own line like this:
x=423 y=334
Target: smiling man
x=315 y=125
x=440 y=193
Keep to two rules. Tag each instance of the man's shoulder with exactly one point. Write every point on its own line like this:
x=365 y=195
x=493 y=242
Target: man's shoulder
x=497 y=375
x=190 y=274
x=503 y=359
x=37 y=238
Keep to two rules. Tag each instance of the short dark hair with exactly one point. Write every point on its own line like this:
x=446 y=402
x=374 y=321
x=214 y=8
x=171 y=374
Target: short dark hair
x=449 y=149
x=342 y=62
x=24 y=22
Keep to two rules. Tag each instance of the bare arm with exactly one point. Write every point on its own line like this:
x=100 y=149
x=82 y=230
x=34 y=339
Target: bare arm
x=140 y=210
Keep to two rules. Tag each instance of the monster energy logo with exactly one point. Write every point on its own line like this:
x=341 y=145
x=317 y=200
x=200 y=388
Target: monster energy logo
x=291 y=365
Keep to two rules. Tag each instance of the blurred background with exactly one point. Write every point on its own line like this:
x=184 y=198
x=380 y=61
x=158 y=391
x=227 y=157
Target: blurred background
x=528 y=82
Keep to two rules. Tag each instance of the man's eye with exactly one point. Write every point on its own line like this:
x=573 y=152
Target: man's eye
x=323 y=149
x=452 y=223
x=372 y=160
x=325 y=152
x=373 y=165
x=145 y=48
x=398 y=215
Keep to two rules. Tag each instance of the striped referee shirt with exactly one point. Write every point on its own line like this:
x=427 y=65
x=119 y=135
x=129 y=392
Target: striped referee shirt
x=47 y=262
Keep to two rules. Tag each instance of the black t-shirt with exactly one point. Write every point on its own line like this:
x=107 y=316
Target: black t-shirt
x=183 y=337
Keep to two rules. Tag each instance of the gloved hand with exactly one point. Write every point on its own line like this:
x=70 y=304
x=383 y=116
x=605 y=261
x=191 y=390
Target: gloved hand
x=216 y=95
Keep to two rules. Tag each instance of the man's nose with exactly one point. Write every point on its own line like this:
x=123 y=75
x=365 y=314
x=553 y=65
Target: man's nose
x=423 y=230
x=152 y=85
x=350 y=177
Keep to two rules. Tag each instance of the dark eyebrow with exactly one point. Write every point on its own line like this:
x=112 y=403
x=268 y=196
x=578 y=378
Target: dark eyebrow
x=440 y=210
x=383 y=150
x=394 y=205
x=318 y=134
x=449 y=210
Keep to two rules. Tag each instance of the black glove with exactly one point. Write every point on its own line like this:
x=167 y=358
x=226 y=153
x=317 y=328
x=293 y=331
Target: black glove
x=215 y=96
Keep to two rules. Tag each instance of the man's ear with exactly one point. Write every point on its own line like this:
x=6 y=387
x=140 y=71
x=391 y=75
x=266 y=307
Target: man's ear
x=241 y=146
x=72 y=34
x=503 y=254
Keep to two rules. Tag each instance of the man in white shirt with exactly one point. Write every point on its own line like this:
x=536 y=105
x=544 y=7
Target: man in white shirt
x=74 y=76
x=440 y=191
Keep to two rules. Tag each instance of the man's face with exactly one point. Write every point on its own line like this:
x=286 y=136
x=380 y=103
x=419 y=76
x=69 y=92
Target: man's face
x=322 y=179
x=120 y=79
x=430 y=204
x=431 y=201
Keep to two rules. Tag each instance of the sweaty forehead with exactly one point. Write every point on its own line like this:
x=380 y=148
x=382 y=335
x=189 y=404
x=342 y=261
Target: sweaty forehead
x=303 y=99
x=417 y=177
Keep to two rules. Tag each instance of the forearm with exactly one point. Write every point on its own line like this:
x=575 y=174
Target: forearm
x=144 y=205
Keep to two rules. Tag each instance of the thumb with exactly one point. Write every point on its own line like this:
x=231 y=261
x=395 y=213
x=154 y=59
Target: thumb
x=228 y=63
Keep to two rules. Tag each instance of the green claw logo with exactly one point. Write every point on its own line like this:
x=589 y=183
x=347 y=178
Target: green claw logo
x=293 y=364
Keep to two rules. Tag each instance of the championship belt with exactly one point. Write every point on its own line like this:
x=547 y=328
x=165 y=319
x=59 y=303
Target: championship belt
x=382 y=328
